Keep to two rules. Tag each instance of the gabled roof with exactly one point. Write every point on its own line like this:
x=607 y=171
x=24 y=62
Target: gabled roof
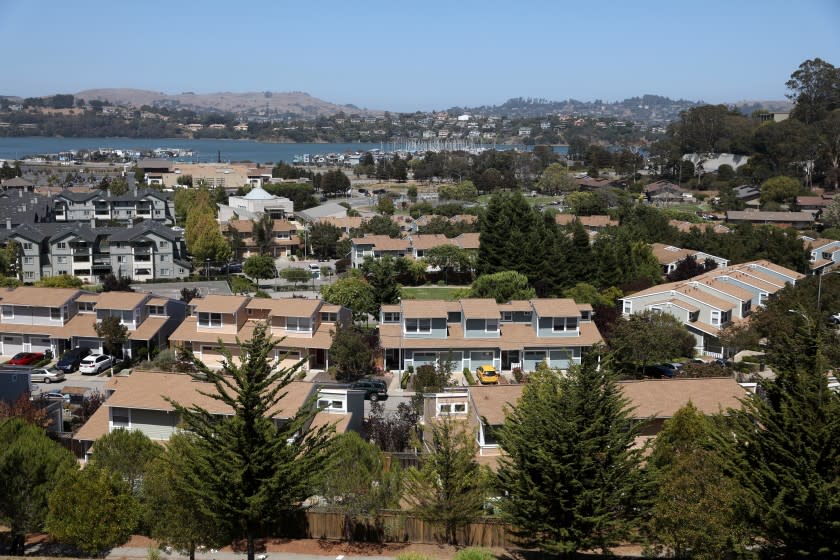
x=467 y=241
x=80 y=196
x=423 y=309
x=425 y=241
x=287 y=307
x=480 y=308
x=18 y=182
x=145 y=228
x=382 y=242
x=123 y=301
x=490 y=401
x=555 y=307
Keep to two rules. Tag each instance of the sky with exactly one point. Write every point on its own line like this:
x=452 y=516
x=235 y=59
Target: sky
x=423 y=55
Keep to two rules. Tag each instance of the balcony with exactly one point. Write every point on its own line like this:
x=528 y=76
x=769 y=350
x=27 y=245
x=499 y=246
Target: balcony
x=142 y=272
x=144 y=250
x=143 y=258
x=84 y=259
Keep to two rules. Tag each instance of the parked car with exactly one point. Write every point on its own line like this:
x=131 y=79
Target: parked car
x=834 y=319
x=70 y=360
x=664 y=370
x=374 y=389
x=26 y=358
x=55 y=395
x=46 y=375
x=95 y=363
x=487 y=375
x=232 y=268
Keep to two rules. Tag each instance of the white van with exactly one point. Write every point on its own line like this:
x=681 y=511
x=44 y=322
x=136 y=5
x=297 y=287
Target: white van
x=315 y=270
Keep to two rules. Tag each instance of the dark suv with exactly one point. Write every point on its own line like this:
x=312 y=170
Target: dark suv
x=69 y=362
x=374 y=389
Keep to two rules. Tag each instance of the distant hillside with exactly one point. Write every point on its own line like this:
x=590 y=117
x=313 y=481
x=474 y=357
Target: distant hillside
x=292 y=103
x=646 y=108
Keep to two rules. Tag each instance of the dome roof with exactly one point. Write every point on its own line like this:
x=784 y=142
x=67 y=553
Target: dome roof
x=258 y=193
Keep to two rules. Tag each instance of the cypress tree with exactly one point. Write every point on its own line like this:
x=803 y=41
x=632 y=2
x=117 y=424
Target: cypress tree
x=569 y=470
x=784 y=450
x=254 y=470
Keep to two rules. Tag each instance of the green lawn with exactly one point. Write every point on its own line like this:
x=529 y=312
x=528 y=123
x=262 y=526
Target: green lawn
x=431 y=292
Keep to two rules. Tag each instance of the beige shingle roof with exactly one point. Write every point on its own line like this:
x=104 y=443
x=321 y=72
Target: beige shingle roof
x=480 y=308
x=124 y=301
x=383 y=242
x=219 y=304
x=490 y=401
x=557 y=307
x=39 y=297
x=148 y=329
x=287 y=307
x=424 y=241
x=661 y=398
x=424 y=309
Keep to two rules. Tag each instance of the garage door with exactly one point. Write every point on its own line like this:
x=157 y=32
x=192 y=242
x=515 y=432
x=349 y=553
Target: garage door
x=532 y=358
x=424 y=359
x=457 y=359
x=91 y=343
x=39 y=344
x=481 y=359
x=12 y=345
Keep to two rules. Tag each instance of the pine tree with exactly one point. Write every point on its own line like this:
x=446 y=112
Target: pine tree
x=784 y=450
x=254 y=470
x=569 y=469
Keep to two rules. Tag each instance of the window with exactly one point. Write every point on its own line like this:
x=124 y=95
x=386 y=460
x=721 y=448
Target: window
x=120 y=259
x=453 y=317
x=27 y=246
x=327 y=404
x=491 y=325
x=716 y=317
x=212 y=320
x=391 y=317
x=85 y=306
x=164 y=258
x=29 y=275
x=298 y=324
x=61 y=245
x=55 y=313
x=8 y=311
x=563 y=324
x=452 y=408
x=163 y=244
x=120 y=417
x=628 y=307
x=329 y=317
x=62 y=260
x=156 y=310
x=507 y=316
x=165 y=272
x=418 y=325
x=27 y=260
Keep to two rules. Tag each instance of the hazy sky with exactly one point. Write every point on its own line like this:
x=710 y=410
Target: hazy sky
x=425 y=54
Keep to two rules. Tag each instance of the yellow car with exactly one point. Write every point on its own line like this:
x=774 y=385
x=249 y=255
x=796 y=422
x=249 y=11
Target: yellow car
x=487 y=374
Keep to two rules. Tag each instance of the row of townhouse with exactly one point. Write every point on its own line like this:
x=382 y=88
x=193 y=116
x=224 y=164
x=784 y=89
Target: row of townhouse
x=483 y=409
x=303 y=326
x=415 y=246
x=143 y=402
x=70 y=206
x=473 y=332
x=285 y=240
x=824 y=254
x=709 y=302
x=58 y=319
x=147 y=251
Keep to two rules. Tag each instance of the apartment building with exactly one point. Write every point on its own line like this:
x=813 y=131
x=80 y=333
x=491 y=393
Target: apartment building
x=302 y=326
x=669 y=257
x=70 y=206
x=474 y=332
x=711 y=301
x=147 y=251
x=824 y=254
x=284 y=238
x=58 y=319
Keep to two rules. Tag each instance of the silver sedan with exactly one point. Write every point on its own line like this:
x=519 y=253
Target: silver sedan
x=47 y=375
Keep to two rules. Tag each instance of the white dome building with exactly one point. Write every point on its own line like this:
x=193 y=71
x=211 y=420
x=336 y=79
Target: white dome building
x=259 y=201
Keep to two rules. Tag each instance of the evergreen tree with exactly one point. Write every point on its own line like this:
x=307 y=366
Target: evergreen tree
x=381 y=274
x=569 y=471
x=126 y=453
x=255 y=470
x=31 y=465
x=784 y=449
x=449 y=488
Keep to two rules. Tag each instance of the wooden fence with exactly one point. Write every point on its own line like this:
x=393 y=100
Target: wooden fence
x=394 y=526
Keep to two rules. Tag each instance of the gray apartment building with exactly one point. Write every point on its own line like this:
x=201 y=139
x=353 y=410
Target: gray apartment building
x=146 y=251
x=146 y=204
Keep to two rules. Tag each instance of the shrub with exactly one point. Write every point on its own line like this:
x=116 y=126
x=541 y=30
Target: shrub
x=404 y=380
x=474 y=553
x=166 y=359
x=469 y=376
x=261 y=294
x=518 y=375
x=413 y=556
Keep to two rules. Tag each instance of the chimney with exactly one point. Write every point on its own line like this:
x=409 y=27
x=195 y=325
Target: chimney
x=8 y=223
x=20 y=193
x=93 y=223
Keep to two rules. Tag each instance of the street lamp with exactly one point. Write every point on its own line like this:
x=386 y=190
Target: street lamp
x=819 y=286
x=207 y=268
